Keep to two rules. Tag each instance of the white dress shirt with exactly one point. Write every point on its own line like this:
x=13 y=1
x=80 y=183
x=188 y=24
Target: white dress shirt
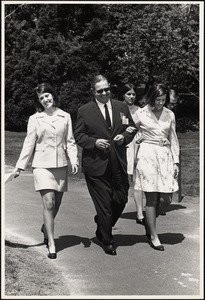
x=102 y=108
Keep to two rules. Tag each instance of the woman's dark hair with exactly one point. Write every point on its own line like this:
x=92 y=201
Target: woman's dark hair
x=154 y=91
x=44 y=88
x=127 y=87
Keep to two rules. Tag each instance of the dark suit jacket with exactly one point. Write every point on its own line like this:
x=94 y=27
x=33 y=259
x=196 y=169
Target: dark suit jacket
x=91 y=125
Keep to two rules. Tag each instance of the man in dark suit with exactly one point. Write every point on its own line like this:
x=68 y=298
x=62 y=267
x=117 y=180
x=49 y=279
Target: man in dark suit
x=101 y=132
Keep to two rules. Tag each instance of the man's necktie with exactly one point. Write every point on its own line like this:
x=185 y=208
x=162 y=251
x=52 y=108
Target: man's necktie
x=107 y=117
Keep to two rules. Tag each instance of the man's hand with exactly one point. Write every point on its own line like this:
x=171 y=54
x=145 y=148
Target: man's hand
x=119 y=139
x=102 y=144
x=131 y=129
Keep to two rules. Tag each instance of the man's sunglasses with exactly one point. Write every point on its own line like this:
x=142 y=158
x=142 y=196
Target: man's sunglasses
x=103 y=90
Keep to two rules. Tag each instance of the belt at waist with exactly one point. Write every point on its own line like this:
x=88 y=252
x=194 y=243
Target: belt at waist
x=161 y=142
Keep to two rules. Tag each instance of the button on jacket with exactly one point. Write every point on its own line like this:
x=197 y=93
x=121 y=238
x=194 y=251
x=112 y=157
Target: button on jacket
x=50 y=140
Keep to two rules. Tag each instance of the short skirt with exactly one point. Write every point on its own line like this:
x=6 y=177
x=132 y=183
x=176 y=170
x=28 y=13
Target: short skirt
x=155 y=169
x=51 y=178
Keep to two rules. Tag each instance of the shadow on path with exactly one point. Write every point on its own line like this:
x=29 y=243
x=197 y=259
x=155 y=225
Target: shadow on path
x=175 y=207
x=123 y=240
x=62 y=242
x=171 y=238
x=132 y=215
x=67 y=241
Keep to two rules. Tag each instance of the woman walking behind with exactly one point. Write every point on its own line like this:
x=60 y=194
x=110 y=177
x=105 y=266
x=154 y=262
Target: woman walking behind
x=50 y=139
x=129 y=97
x=157 y=158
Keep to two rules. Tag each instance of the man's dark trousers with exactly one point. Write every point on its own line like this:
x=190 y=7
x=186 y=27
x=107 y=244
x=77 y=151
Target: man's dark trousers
x=109 y=193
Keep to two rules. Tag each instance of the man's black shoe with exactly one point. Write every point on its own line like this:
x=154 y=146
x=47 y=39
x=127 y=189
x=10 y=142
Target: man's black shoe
x=110 y=249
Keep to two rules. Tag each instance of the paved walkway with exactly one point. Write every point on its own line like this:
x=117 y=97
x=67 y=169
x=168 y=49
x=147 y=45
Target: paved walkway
x=137 y=270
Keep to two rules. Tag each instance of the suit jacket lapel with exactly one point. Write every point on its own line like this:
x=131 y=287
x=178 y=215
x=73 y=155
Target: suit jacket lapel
x=114 y=108
x=52 y=122
x=115 y=114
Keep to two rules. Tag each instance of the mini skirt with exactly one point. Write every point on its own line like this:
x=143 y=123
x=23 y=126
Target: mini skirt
x=51 y=178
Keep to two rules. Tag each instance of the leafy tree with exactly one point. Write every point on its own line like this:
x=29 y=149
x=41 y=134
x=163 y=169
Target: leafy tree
x=66 y=44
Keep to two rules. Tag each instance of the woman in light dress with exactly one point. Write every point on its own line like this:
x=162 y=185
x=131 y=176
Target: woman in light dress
x=157 y=160
x=50 y=140
x=129 y=96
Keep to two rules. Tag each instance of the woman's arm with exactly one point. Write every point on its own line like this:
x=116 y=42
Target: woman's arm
x=71 y=146
x=174 y=140
x=28 y=146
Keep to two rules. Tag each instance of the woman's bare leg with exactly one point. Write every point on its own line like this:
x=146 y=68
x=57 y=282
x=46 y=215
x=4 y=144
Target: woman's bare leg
x=151 y=202
x=138 y=199
x=58 y=200
x=164 y=200
x=48 y=198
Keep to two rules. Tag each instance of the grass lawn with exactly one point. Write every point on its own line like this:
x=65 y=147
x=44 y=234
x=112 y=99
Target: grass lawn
x=24 y=276
x=189 y=143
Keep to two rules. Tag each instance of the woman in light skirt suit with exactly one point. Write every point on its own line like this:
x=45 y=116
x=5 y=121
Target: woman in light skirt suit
x=50 y=140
